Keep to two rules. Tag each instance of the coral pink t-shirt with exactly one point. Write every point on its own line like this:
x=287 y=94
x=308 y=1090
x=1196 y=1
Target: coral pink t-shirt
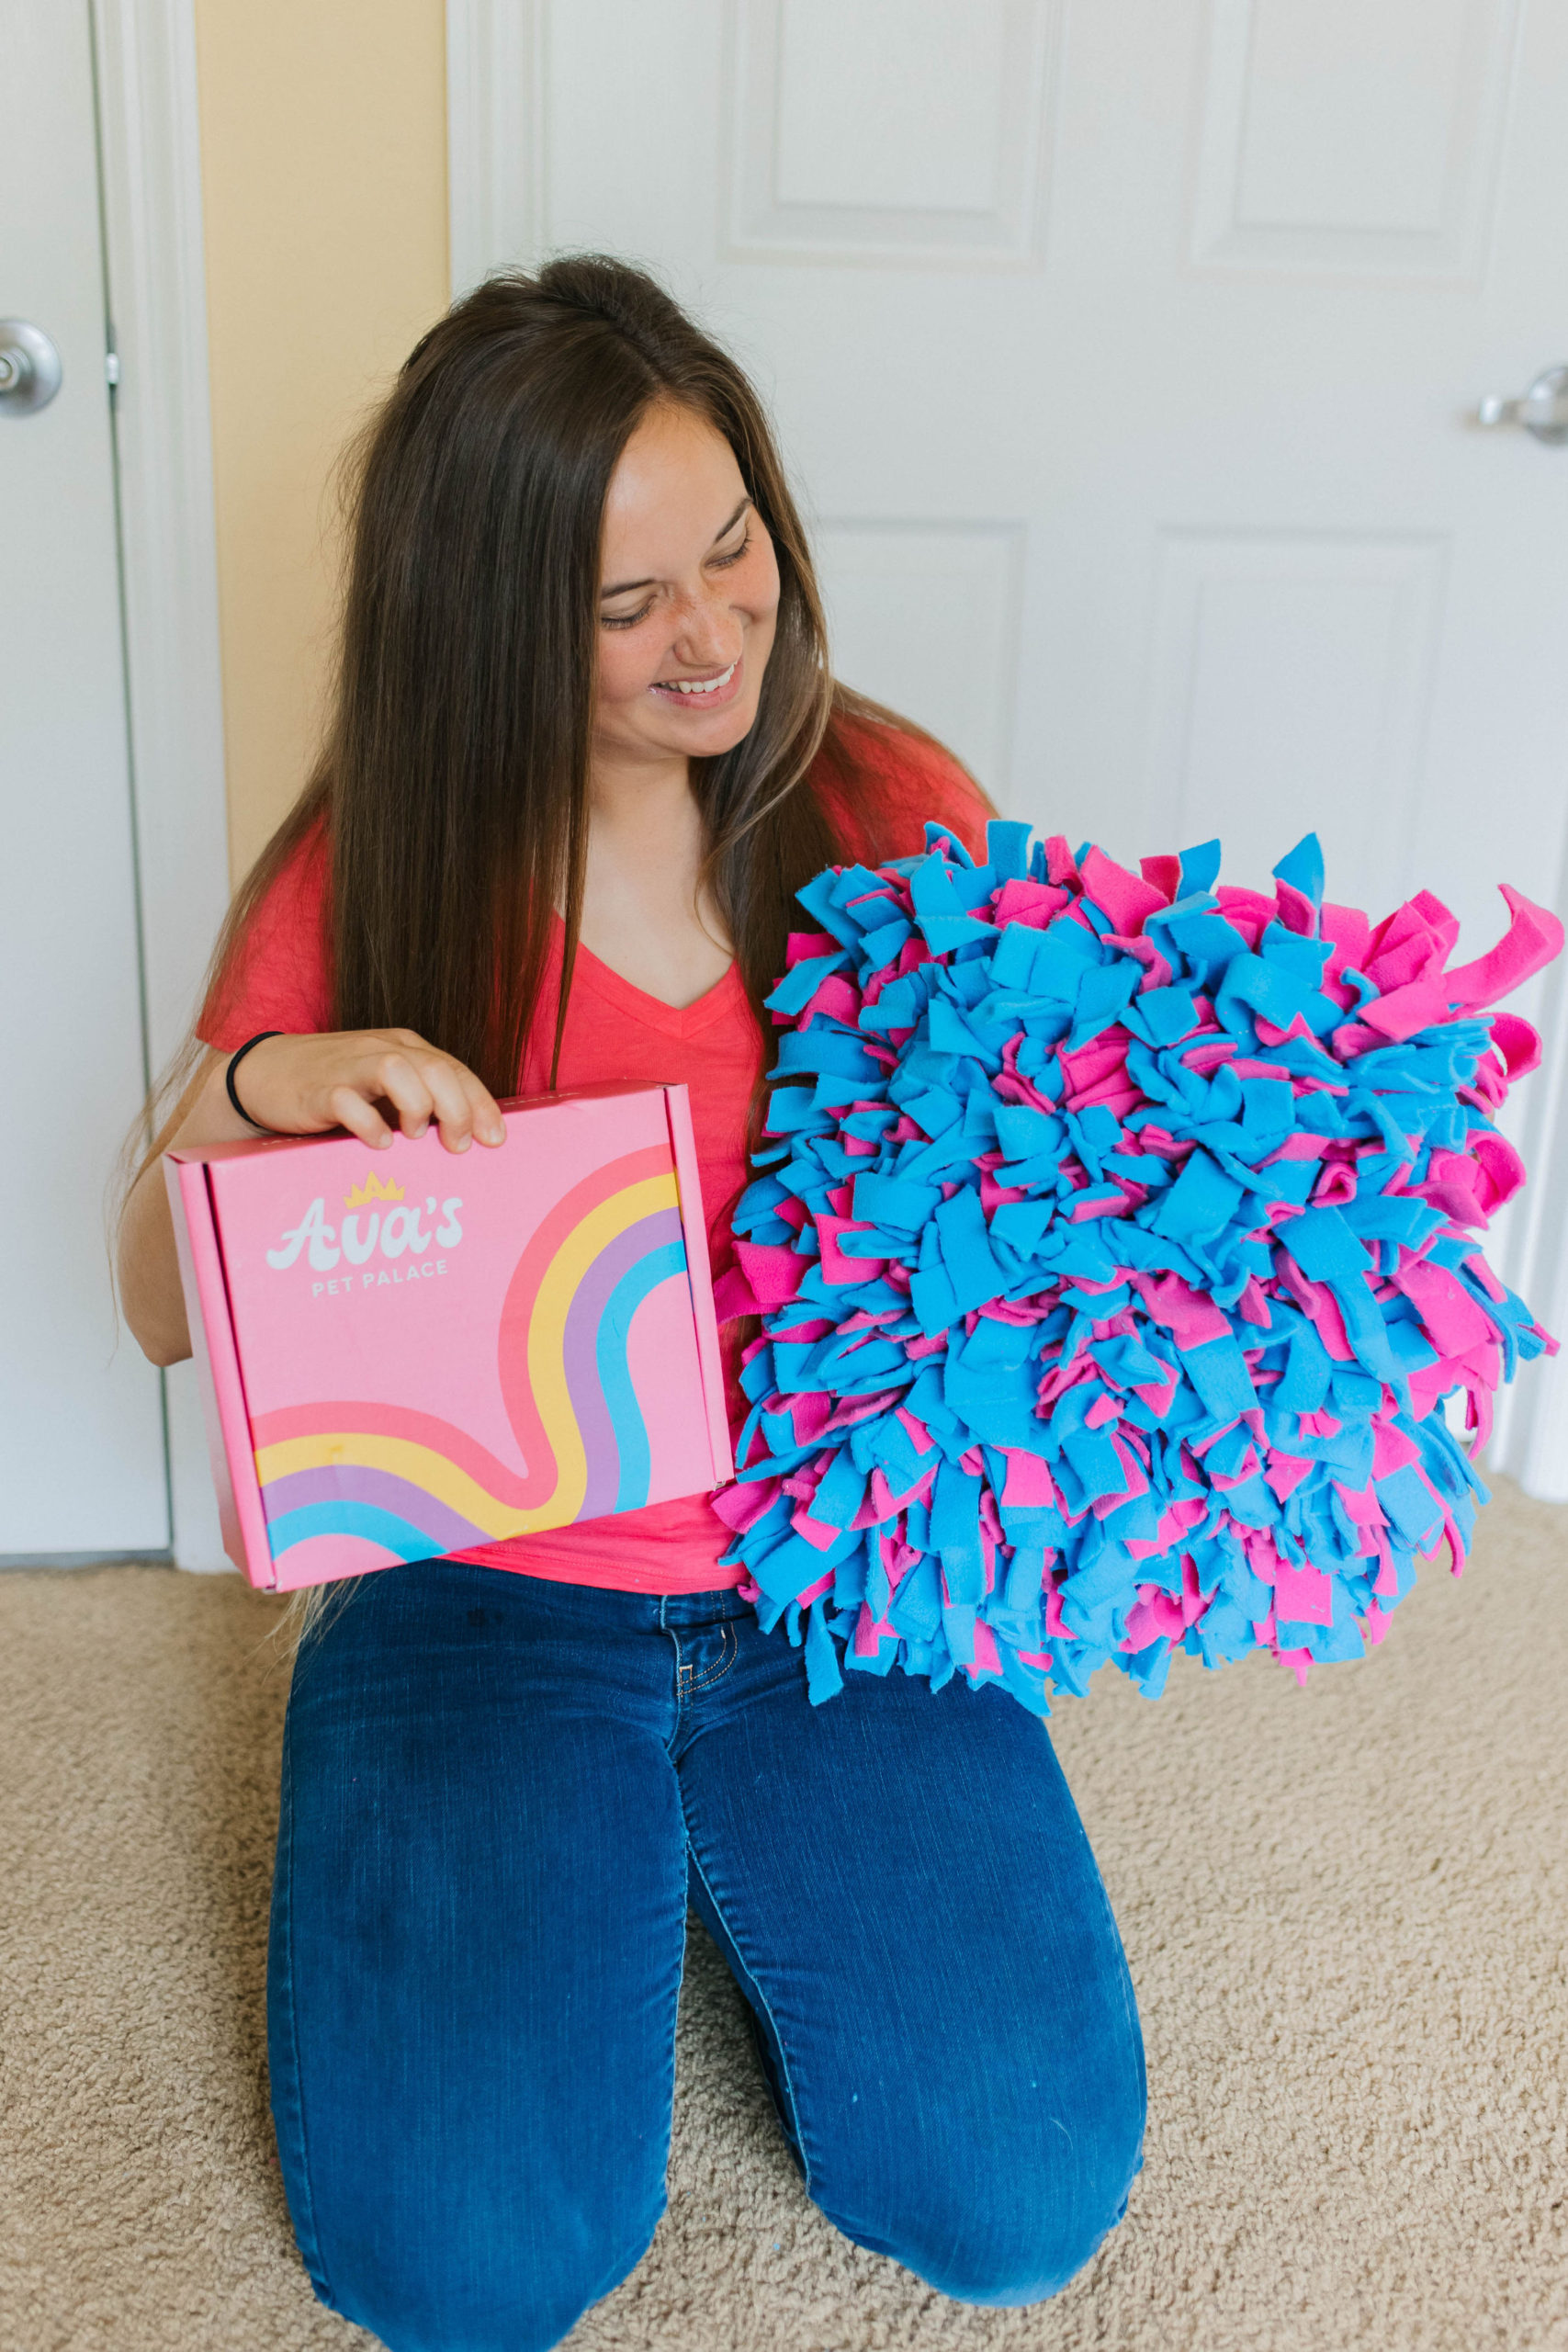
x=280 y=979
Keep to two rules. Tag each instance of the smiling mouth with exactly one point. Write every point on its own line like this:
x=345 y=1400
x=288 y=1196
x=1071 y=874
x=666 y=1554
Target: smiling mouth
x=697 y=689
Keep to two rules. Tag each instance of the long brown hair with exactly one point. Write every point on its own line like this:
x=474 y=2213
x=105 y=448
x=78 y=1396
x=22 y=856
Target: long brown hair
x=452 y=787
x=453 y=784
x=451 y=793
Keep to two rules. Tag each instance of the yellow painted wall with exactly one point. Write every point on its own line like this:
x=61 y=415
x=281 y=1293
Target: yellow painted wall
x=323 y=141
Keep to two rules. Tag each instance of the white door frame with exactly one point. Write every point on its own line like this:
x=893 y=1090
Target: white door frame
x=1531 y=1438
x=150 y=141
x=495 y=133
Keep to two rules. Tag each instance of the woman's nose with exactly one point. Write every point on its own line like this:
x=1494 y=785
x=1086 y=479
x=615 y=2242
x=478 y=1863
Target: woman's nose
x=707 y=630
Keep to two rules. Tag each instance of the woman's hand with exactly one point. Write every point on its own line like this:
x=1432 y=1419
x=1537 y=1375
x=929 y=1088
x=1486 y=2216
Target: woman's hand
x=371 y=1081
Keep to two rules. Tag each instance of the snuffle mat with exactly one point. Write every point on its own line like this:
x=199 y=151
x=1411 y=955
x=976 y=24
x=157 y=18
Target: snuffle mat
x=1116 y=1246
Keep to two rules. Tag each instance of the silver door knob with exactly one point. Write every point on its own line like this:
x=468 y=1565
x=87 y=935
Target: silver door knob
x=29 y=368
x=1543 y=410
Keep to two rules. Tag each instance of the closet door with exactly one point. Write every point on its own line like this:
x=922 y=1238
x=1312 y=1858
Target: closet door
x=81 y=1451
x=1131 y=358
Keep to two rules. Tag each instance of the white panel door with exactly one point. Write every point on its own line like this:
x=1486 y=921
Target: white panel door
x=1127 y=356
x=81 y=1457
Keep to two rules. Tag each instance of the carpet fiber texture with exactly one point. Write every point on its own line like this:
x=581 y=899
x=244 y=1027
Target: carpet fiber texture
x=1346 y=1910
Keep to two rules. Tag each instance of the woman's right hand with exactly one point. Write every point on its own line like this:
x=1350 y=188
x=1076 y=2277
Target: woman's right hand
x=372 y=1081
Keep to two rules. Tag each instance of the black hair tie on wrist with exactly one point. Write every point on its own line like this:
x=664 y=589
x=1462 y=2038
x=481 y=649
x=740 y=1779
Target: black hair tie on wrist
x=234 y=1060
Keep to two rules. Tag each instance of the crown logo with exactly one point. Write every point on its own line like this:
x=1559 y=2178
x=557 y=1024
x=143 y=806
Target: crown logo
x=372 y=1190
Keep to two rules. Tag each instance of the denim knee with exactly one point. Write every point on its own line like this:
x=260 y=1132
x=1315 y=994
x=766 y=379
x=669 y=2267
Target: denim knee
x=421 y=2296
x=1009 y=2266
x=1014 y=2230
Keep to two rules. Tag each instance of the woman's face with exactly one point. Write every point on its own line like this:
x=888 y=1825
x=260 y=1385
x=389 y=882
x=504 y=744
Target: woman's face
x=690 y=596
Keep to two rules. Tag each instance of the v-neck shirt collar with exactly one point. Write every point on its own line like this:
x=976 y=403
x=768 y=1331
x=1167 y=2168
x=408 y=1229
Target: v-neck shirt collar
x=682 y=1021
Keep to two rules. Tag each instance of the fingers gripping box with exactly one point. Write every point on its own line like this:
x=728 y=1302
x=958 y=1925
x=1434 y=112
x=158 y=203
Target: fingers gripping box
x=406 y=1353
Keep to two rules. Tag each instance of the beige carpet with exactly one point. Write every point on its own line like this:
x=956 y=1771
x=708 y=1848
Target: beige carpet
x=1345 y=1911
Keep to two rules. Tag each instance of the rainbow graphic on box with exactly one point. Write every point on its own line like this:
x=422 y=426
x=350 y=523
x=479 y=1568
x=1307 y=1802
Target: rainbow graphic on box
x=503 y=1360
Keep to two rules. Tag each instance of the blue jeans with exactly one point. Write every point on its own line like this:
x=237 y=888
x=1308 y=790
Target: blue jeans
x=499 y=1795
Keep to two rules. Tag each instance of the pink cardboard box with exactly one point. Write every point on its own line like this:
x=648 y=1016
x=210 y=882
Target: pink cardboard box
x=407 y=1353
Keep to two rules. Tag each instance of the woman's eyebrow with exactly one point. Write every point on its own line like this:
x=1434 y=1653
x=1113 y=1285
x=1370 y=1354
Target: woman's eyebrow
x=625 y=587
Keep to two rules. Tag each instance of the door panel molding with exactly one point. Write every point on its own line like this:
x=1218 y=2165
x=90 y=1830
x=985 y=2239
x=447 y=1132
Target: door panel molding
x=815 y=168
x=1271 y=195
x=1297 y=659
x=496 y=145
x=149 y=130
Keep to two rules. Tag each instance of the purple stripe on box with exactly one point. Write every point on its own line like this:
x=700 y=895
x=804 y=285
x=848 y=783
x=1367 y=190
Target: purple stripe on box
x=589 y=1403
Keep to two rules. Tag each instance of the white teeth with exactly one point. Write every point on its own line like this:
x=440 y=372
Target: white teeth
x=699 y=685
